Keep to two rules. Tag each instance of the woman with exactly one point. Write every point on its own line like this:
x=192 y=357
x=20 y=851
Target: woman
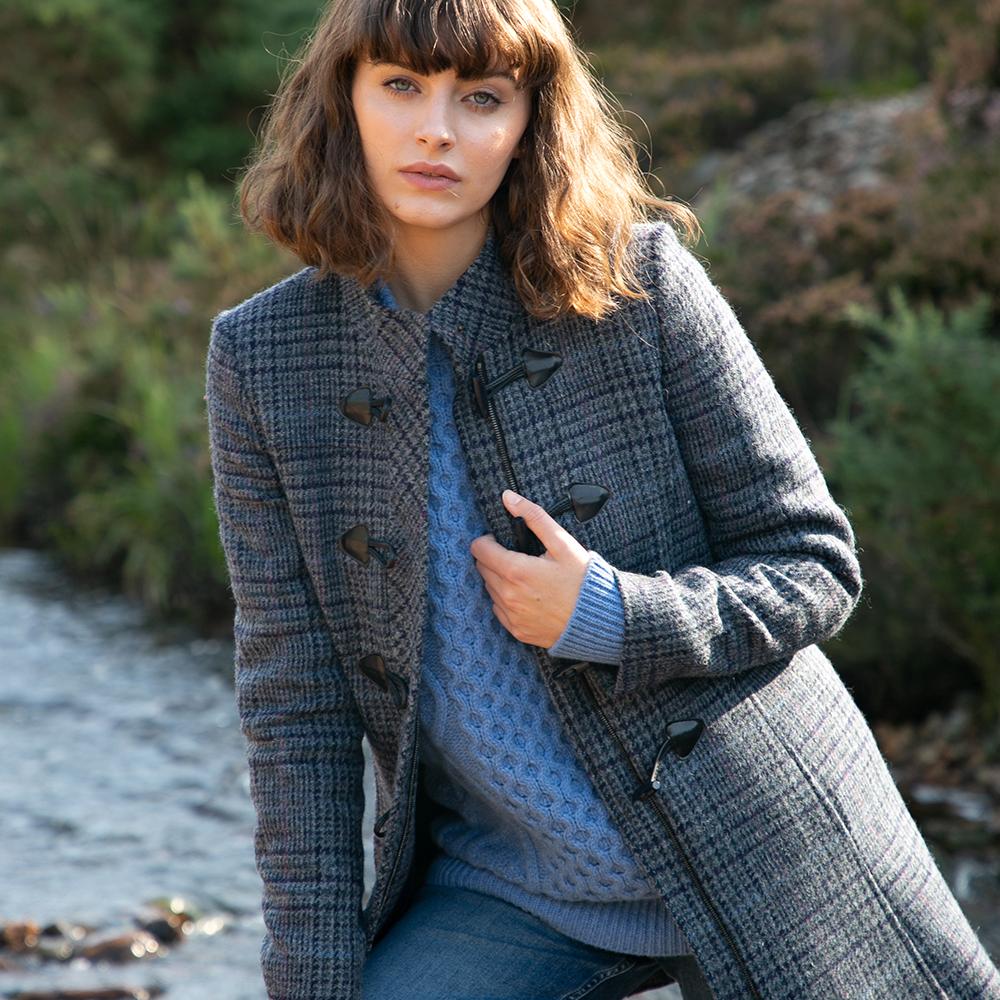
x=503 y=486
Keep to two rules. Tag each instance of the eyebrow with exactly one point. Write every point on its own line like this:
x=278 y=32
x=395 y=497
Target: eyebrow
x=486 y=76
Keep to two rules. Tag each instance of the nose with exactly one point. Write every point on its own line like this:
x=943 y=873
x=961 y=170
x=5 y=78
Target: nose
x=434 y=128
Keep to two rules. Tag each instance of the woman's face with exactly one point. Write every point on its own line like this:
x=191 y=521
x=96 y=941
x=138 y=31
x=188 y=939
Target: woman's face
x=471 y=127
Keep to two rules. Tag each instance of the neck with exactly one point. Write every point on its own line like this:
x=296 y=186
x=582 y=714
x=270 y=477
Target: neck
x=430 y=261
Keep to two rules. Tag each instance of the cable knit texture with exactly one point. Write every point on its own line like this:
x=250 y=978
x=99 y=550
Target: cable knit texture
x=525 y=823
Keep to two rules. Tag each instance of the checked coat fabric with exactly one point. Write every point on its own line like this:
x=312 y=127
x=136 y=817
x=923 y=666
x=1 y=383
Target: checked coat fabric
x=740 y=771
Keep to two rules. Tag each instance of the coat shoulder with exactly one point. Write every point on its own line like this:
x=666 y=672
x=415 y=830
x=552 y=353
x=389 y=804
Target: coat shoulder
x=671 y=260
x=668 y=268
x=655 y=239
x=276 y=312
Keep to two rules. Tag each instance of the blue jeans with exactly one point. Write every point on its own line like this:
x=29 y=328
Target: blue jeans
x=456 y=944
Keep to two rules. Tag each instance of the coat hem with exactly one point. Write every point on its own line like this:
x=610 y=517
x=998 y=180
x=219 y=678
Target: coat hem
x=831 y=807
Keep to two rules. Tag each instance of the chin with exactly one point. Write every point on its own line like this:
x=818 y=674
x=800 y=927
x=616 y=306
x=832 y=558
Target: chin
x=434 y=222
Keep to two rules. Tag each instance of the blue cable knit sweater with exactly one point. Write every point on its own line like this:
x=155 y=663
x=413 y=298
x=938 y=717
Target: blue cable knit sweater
x=524 y=823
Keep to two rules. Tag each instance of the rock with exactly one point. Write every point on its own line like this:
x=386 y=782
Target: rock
x=122 y=948
x=20 y=936
x=821 y=148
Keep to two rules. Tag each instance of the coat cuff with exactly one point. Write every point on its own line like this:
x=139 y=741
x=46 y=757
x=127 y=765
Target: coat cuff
x=596 y=629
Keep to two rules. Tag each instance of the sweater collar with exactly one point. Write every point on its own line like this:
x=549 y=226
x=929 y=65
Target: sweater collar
x=474 y=314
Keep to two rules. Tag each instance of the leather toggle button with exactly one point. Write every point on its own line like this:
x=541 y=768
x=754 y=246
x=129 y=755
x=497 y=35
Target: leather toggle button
x=584 y=499
x=525 y=540
x=362 y=406
x=539 y=365
x=374 y=668
x=358 y=544
x=536 y=367
x=682 y=735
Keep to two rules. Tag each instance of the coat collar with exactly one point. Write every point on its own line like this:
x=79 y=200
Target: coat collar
x=478 y=311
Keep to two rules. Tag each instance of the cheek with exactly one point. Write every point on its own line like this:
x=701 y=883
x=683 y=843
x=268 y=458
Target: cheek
x=497 y=145
x=373 y=125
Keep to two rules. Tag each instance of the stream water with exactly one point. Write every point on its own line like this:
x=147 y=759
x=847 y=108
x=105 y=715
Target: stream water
x=124 y=782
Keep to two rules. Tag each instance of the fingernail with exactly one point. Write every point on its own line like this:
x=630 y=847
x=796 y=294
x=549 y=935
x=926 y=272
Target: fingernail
x=511 y=498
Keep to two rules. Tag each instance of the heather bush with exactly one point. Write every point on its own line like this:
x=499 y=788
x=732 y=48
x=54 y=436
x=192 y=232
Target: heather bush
x=691 y=102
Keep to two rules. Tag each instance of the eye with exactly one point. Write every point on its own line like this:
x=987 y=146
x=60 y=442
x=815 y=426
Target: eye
x=492 y=102
x=396 y=79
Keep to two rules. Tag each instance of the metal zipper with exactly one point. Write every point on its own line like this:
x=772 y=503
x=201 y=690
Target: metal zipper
x=525 y=539
x=494 y=419
x=648 y=794
x=410 y=782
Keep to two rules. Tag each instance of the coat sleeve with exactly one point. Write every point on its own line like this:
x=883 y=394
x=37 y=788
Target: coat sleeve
x=297 y=713
x=784 y=572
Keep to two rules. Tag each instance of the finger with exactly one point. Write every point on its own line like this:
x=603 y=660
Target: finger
x=486 y=547
x=553 y=536
x=487 y=551
x=492 y=579
x=503 y=618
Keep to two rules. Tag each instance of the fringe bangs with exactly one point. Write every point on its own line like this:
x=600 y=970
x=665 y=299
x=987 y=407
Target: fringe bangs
x=473 y=37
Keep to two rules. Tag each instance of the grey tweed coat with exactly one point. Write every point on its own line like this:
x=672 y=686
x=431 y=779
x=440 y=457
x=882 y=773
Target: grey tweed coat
x=729 y=752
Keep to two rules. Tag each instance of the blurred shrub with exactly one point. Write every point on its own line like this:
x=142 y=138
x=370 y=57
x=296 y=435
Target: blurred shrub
x=693 y=102
x=102 y=419
x=913 y=458
x=789 y=271
x=701 y=76
x=967 y=74
x=870 y=46
x=686 y=25
x=105 y=103
x=945 y=239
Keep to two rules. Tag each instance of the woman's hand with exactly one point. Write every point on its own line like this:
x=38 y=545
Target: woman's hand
x=533 y=596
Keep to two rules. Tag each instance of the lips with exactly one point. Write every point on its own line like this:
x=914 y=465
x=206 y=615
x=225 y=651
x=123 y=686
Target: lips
x=431 y=170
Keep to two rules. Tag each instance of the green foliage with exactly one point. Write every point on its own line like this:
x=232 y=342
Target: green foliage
x=104 y=102
x=913 y=455
x=140 y=502
x=102 y=415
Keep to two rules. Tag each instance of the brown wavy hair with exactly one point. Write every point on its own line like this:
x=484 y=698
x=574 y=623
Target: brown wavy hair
x=564 y=204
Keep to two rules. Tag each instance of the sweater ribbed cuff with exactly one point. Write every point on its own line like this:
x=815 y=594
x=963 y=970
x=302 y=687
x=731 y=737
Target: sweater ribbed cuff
x=596 y=629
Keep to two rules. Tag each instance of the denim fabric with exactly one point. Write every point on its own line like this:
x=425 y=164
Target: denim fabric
x=458 y=944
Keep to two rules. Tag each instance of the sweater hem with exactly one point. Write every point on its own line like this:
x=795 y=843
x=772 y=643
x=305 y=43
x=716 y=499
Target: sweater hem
x=633 y=927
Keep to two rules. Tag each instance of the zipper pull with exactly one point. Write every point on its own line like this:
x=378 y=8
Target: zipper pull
x=644 y=791
x=478 y=388
x=682 y=735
